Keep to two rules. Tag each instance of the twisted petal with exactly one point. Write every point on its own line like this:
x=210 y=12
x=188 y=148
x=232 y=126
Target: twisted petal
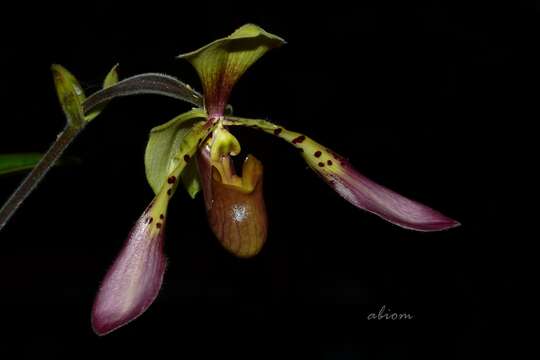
x=236 y=212
x=133 y=281
x=355 y=187
x=223 y=61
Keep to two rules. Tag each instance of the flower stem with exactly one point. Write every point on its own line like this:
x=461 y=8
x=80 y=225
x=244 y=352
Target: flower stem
x=38 y=172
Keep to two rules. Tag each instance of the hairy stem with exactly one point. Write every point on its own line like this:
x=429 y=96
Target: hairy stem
x=38 y=172
x=150 y=83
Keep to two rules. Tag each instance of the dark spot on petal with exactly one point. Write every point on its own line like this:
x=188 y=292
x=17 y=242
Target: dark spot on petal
x=158 y=225
x=329 y=162
x=169 y=192
x=186 y=158
x=317 y=153
x=149 y=220
x=161 y=217
x=321 y=164
x=299 y=139
x=171 y=179
x=277 y=131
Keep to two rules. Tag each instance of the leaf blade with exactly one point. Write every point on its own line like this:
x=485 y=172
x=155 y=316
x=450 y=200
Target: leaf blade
x=13 y=163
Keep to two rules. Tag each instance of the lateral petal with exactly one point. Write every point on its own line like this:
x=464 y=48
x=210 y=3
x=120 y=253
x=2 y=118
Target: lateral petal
x=355 y=187
x=133 y=282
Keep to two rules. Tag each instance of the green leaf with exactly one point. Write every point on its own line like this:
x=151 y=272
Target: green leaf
x=11 y=163
x=221 y=63
x=163 y=146
x=14 y=163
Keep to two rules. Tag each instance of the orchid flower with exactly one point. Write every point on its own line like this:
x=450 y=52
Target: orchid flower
x=196 y=149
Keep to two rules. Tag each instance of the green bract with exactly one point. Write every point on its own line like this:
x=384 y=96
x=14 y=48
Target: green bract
x=70 y=94
x=72 y=97
x=110 y=80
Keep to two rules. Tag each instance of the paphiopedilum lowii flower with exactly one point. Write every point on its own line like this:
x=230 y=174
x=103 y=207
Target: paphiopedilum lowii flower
x=195 y=148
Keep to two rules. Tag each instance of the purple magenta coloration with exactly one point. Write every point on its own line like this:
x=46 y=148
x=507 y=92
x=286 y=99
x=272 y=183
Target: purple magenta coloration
x=133 y=281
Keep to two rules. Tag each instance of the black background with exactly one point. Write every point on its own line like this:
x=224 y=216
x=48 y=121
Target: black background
x=424 y=98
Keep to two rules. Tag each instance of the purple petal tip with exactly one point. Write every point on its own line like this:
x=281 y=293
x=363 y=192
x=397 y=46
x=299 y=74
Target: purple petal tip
x=389 y=205
x=134 y=280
